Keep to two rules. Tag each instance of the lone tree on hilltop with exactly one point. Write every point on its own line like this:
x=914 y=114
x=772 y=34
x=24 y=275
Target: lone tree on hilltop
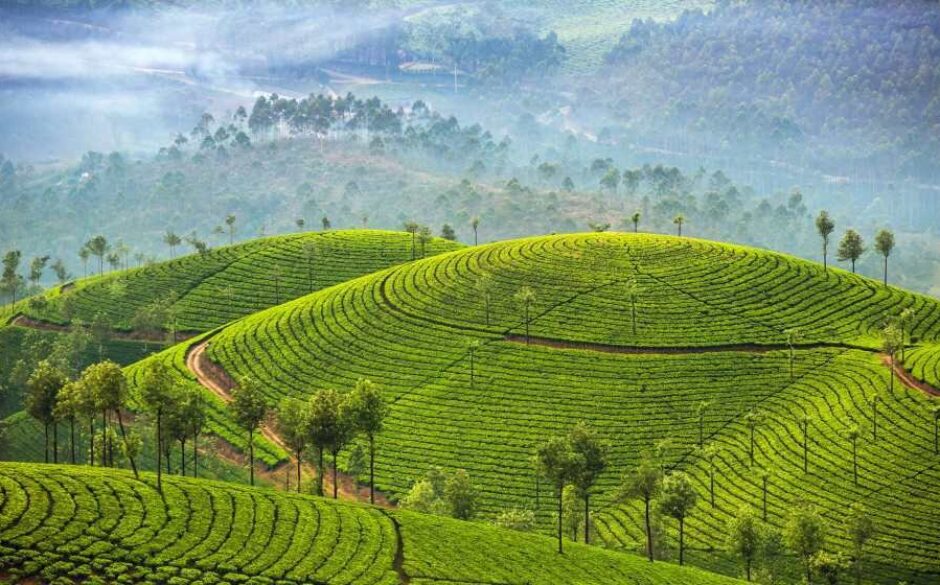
x=884 y=244
x=98 y=246
x=635 y=218
x=249 y=409
x=412 y=228
x=368 y=411
x=230 y=222
x=591 y=457
x=805 y=534
x=825 y=227
x=851 y=248
x=11 y=281
x=643 y=482
x=526 y=296
x=475 y=224
x=744 y=538
x=676 y=500
x=556 y=462
x=679 y=220
x=172 y=240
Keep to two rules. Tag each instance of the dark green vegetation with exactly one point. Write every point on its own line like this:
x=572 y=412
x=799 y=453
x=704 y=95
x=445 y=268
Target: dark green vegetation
x=104 y=526
x=817 y=81
x=713 y=323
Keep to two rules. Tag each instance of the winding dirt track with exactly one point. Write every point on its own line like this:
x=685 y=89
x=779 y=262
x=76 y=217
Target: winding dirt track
x=212 y=377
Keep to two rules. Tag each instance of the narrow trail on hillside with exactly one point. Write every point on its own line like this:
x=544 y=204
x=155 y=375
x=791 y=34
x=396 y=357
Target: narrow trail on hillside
x=215 y=379
x=154 y=337
x=673 y=350
x=907 y=378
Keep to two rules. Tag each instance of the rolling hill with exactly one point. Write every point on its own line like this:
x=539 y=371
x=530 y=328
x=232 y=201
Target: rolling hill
x=71 y=523
x=200 y=292
x=713 y=322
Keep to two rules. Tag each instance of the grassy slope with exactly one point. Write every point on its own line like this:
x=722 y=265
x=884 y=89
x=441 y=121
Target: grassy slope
x=72 y=521
x=408 y=328
x=227 y=283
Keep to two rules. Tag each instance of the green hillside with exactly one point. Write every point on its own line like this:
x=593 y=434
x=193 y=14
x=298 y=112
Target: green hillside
x=78 y=523
x=712 y=323
x=225 y=283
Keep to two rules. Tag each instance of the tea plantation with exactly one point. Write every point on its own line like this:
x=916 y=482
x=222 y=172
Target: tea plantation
x=76 y=524
x=630 y=333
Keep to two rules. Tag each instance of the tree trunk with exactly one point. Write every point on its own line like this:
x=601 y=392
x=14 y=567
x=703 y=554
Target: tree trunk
x=371 y=469
x=195 y=454
x=72 y=439
x=711 y=486
x=747 y=569
x=159 y=450
x=124 y=438
x=104 y=440
x=319 y=471
x=587 y=519
x=45 y=445
x=649 y=530
x=183 y=457
x=886 y=271
x=55 y=442
x=681 y=541
x=299 y=453
x=561 y=490
x=251 y=456
x=335 y=484
x=91 y=441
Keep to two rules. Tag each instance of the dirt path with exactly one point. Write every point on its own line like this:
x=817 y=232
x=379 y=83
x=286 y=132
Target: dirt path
x=213 y=377
x=158 y=337
x=907 y=378
x=630 y=349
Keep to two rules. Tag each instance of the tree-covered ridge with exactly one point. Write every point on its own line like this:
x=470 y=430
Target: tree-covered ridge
x=80 y=523
x=632 y=333
x=852 y=79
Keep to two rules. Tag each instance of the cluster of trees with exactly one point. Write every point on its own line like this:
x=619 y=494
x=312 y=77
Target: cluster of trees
x=852 y=245
x=849 y=77
x=327 y=423
x=449 y=494
x=14 y=286
x=476 y=41
x=100 y=392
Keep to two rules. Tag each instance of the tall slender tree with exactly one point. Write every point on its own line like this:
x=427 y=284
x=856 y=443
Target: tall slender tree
x=644 y=482
x=42 y=393
x=292 y=427
x=679 y=220
x=590 y=461
x=99 y=247
x=556 y=463
x=860 y=529
x=158 y=394
x=744 y=538
x=110 y=387
x=884 y=244
x=323 y=427
x=368 y=411
x=851 y=248
x=249 y=409
x=230 y=220
x=676 y=500
x=475 y=224
x=526 y=296
x=635 y=218
x=825 y=226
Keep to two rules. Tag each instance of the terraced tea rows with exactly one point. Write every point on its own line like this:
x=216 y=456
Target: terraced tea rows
x=233 y=281
x=74 y=523
x=410 y=328
x=924 y=363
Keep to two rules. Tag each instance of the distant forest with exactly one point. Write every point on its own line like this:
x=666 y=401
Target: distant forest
x=849 y=79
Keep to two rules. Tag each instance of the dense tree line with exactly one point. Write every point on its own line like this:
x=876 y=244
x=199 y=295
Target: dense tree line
x=853 y=78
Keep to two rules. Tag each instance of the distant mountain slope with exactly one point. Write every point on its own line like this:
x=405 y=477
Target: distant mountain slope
x=73 y=523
